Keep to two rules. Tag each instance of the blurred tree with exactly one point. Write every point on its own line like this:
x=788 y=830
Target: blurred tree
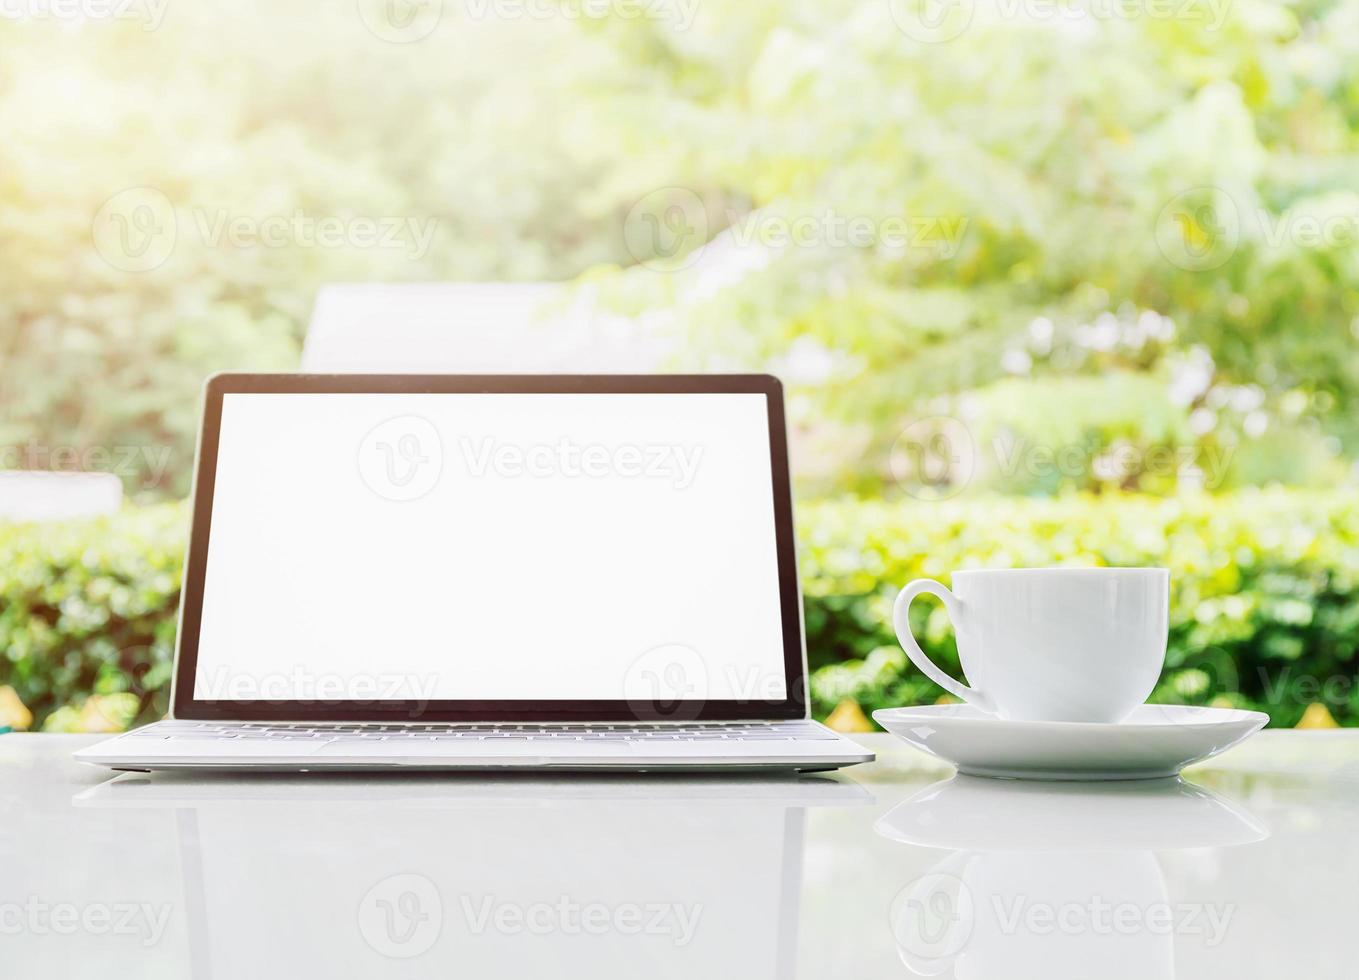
x=172 y=193
x=905 y=218
x=1040 y=190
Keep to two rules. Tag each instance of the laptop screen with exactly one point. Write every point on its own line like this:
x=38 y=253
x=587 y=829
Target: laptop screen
x=492 y=548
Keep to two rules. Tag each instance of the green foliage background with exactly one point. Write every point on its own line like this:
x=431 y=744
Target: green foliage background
x=87 y=616
x=1131 y=245
x=1106 y=173
x=1128 y=198
x=1264 y=604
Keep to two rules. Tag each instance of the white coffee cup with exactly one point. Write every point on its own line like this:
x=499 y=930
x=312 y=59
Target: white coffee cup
x=1050 y=644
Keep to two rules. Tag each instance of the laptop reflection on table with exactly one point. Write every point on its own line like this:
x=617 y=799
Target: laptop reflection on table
x=594 y=877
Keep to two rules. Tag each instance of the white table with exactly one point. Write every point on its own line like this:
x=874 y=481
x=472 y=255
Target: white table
x=1248 y=869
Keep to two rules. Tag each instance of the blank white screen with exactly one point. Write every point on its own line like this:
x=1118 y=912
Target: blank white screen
x=492 y=547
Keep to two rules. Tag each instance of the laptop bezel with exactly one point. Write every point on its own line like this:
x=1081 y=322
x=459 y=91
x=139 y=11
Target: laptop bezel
x=185 y=705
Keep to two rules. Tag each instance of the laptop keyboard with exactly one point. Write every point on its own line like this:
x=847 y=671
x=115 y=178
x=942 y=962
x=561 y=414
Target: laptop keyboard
x=738 y=732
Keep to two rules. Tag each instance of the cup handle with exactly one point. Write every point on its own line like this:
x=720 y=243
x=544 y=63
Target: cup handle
x=901 y=619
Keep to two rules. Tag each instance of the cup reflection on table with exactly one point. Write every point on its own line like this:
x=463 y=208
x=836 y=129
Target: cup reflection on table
x=1054 y=880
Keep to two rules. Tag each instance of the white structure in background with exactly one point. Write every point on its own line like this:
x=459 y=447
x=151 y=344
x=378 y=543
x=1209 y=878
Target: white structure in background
x=29 y=495
x=477 y=328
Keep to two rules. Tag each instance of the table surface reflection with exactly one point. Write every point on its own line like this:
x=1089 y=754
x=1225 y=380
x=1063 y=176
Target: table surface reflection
x=1245 y=868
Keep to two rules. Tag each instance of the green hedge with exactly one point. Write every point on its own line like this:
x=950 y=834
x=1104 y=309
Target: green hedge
x=1264 y=589
x=1264 y=603
x=88 y=608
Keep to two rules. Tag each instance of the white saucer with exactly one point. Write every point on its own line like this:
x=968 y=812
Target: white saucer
x=1154 y=741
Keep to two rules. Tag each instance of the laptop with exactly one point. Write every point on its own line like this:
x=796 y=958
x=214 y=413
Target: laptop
x=489 y=573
